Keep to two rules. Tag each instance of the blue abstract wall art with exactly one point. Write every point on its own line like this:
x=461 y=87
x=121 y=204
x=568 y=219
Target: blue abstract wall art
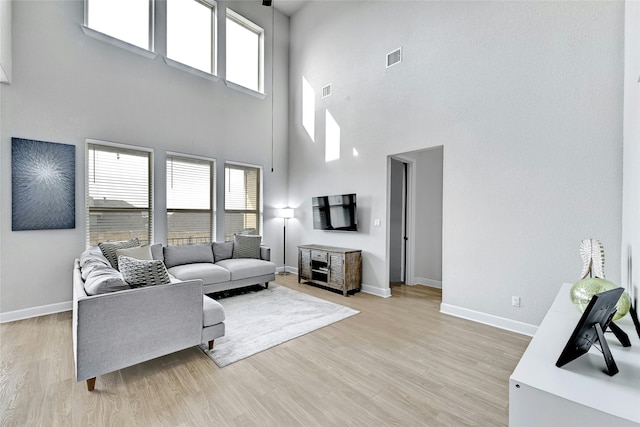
x=43 y=185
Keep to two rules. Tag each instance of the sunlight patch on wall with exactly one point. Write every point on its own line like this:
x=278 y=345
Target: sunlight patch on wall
x=355 y=152
x=308 y=109
x=332 y=146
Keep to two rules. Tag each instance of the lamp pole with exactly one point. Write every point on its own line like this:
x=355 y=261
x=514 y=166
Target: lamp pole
x=285 y=214
x=284 y=246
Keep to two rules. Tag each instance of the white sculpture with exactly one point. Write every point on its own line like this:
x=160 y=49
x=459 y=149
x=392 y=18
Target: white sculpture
x=592 y=252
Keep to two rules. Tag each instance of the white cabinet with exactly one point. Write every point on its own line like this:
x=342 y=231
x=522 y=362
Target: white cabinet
x=580 y=393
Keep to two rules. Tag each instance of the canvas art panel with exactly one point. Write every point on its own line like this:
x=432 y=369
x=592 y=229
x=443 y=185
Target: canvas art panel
x=43 y=185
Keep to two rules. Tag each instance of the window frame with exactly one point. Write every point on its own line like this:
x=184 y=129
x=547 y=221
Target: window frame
x=259 y=195
x=255 y=28
x=213 y=164
x=150 y=191
x=148 y=51
x=213 y=5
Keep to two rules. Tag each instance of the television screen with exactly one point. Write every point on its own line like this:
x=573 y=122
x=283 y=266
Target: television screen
x=335 y=212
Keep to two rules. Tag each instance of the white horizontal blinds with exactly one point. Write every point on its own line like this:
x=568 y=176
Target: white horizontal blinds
x=190 y=200
x=241 y=200
x=119 y=194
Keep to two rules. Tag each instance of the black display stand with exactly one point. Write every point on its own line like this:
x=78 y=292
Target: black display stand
x=634 y=316
x=590 y=329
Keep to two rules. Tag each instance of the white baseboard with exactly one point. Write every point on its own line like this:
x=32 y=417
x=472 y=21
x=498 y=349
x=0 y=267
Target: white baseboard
x=427 y=282
x=489 y=319
x=287 y=268
x=374 y=290
x=27 y=313
x=367 y=289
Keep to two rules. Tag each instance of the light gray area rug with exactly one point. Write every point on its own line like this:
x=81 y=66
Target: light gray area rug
x=260 y=320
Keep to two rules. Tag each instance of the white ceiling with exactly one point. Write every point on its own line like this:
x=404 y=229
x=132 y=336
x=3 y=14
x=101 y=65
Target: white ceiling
x=289 y=7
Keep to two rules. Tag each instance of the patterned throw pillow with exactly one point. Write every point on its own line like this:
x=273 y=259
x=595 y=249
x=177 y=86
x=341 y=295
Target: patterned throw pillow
x=109 y=249
x=222 y=251
x=246 y=246
x=138 y=273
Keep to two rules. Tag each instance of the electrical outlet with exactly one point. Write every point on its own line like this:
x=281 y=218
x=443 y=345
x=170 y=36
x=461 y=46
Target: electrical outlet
x=515 y=301
x=376 y=223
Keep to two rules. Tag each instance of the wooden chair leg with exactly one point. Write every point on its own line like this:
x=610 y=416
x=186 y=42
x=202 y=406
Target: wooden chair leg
x=211 y=345
x=91 y=383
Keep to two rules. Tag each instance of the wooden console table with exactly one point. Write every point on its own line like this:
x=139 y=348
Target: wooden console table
x=336 y=268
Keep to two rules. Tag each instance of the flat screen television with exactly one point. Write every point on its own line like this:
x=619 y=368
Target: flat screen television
x=335 y=213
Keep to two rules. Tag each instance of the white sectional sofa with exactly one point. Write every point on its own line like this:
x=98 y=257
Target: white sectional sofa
x=116 y=324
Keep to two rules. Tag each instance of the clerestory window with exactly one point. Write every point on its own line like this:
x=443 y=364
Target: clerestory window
x=245 y=52
x=191 y=33
x=127 y=20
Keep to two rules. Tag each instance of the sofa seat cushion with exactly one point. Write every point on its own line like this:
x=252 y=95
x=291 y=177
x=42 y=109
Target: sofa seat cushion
x=208 y=272
x=212 y=312
x=242 y=268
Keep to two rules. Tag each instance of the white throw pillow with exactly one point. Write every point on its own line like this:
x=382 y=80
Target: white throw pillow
x=138 y=252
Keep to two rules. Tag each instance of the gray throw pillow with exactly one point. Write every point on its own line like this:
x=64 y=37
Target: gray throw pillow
x=187 y=254
x=222 y=251
x=156 y=251
x=104 y=280
x=246 y=246
x=109 y=249
x=138 y=273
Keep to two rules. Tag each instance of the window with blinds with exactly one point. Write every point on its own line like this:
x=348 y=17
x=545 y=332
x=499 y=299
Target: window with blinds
x=190 y=200
x=119 y=194
x=242 y=204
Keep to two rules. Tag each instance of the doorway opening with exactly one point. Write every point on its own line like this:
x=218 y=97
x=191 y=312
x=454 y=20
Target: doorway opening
x=415 y=189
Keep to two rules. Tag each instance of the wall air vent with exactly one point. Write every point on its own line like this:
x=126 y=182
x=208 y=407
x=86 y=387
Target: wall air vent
x=326 y=91
x=394 y=57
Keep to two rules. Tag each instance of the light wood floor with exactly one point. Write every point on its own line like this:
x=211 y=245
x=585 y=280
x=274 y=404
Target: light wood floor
x=399 y=362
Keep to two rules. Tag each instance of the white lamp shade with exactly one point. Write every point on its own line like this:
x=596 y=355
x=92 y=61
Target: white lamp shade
x=285 y=213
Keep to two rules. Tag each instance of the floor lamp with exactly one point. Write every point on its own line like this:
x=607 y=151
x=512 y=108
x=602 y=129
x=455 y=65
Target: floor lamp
x=285 y=214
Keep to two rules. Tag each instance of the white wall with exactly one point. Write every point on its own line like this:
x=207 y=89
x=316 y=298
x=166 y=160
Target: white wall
x=5 y=41
x=525 y=97
x=631 y=185
x=67 y=87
